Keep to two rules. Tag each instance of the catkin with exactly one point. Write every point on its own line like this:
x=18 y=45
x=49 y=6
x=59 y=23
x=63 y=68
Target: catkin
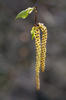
x=38 y=55
x=43 y=45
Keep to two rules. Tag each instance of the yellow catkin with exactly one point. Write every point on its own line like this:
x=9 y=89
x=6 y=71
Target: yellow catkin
x=38 y=55
x=43 y=45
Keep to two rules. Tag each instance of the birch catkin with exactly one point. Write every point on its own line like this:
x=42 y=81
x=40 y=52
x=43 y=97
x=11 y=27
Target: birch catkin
x=43 y=45
x=40 y=50
x=38 y=54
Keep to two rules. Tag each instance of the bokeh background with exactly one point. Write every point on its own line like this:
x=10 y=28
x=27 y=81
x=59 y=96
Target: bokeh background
x=17 y=51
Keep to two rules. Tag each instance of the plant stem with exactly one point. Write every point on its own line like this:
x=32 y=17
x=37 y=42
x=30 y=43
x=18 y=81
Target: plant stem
x=36 y=15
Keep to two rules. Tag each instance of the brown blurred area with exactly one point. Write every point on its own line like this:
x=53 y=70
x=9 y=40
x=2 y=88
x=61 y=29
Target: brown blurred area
x=17 y=51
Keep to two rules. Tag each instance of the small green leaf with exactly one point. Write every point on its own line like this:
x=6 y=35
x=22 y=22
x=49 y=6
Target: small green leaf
x=24 y=14
x=33 y=32
x=33 y=36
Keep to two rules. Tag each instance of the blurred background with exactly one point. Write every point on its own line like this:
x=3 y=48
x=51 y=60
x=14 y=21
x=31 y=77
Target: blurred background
x=17 y=51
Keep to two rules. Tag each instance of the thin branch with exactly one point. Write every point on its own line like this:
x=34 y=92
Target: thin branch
x=36 y=15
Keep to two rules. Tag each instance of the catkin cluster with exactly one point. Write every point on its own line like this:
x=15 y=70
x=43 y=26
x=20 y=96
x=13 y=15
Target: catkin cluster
x=40 y=50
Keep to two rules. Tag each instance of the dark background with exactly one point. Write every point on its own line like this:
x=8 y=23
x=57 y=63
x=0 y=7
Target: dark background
x=17 y=51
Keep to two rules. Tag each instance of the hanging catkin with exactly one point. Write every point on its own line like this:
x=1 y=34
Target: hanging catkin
x=36 y=31
x=43 y=45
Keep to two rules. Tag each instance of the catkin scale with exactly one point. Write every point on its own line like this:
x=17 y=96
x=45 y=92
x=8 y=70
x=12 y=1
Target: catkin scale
x=38 y=56
x=43 y=45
